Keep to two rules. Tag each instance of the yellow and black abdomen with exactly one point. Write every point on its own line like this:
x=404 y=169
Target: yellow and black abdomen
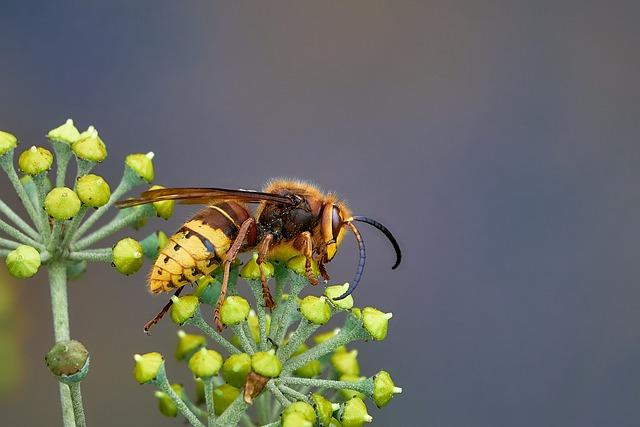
x=198 y=248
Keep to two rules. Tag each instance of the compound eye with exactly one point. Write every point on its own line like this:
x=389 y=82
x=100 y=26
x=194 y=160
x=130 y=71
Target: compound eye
x=336 y=222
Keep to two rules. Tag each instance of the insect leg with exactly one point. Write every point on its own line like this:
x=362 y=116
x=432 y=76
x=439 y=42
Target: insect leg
x=320 y=260
x=308 y=251
x=161 y=313
x=232 y=253
x=262 y=253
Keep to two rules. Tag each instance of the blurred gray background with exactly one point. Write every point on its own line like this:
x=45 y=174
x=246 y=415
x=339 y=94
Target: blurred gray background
x=498 y=140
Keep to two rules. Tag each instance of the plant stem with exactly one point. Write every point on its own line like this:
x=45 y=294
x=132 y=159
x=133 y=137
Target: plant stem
x=281 y=316
x=76 y=400
x=245 y=342
x=199 y=323
x=208 y=394
x=15 y=218
x=300 y=335
x=293 y=393
x=63 y=155
x=19 y=236
x=10 y=244
x=72 y=226
x=7 y=164
x=256 y=287
x=163 y=384
x=96 y=255
x=58 y=287
x=232 y=415
x=364 y=386
x=271 y=386
x=114 y=225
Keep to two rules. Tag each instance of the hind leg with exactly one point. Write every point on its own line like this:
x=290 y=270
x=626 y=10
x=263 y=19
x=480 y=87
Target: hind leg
x=161 y=313
x=262 y=253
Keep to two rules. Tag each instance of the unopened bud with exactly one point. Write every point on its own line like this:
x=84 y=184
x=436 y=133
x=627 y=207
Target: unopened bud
x=376 y=322
x=223 y=396
x=7 y=142
x=188 y=344
x=164 y=208
x=68 y=361
x=141 y=164
x=348 y=393
x=251 y=270
x=298 y=414
x=337 y=290
x=346 y=362
x=35 y=160
x=298 y=264
x=315 y=309
x=147 y=366
x=127 y=256
x=23 y=262
x=355 y=413
x=166 y=405
x=66 y=133
x=235 y=310
x=93 y=190
x=183 y=308
x=89 y=146
x=266 y=363
x=324 y=409
x=62 y=203
x=236 y=368
x=205 y=363
x=384 y=388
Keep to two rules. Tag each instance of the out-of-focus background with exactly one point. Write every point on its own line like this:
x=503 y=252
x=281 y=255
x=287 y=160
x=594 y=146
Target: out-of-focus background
x=498 y=140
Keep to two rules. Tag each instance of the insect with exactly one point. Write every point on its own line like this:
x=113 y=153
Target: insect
x=291 y=218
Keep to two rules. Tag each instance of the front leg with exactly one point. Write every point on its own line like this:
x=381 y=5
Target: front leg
x=263 y=249
x=308 y=252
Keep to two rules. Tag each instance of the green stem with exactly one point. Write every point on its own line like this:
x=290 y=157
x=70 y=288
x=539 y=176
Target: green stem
x=245 y=342
x=273 y=424
x=63 y=155
x=54 y=239
x=300 y=335
x=282 y=313
x=364 y=386
x=262 y=409
x=15 y=218
x=295 y=394
x=58 y=288
x=76 y=400
x=246 y=421
x=6 y=243
x=7 y=164
x=278 y=394
x=256 y=287
x=18 y=235
x=4 y=252
x=42 y=188
x=199 y=323
x=208 y=394
x=162 y=383
x=96 y=255
x=232 y=415
x=114 y=225
x=73 y=225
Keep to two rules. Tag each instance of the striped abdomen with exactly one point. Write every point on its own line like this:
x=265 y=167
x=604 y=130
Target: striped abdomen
x=198 y=247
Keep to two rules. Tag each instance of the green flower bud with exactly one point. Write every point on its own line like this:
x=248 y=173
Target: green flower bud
x=35 y=160
x=141 y=164
x=127 y=256
x=62 y=203
x=315 y=310
x=183 y=308
x=266 y=363
x=89 y=146
x=334 y=292
x=223 y=396
x=348 y=393
x=322 y=337
x=298 y=263
x=310 y=369
x=324 y=409
x=346 y=362
x=355 y=413
x=251 y=270
x=376 y=322
x=164 y=209
x=165 y=404
x=205 y=363
x=66 y=133
x=357 y=313
x=335 y=423
x=188 y=344
x=7 y=142
x=299 y=411
x=384 y=389
x=254 y=325
x=68 y=361
x=295 y=419
x=235 y=310
x=236 y=368
x=147 y=366
x=93 y=190
x=23 y=262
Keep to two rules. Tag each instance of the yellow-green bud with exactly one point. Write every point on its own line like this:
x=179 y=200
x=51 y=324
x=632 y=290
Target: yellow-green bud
x=62 y=203
x=35 y=160
x=355 y=413
x=163 y=239
x=311 y=369
x=235 y=310
x=141 y=164
x=93 y=190
x=205 y=363
x=127 y=256
x=164 y=209
x=376 y=322
x=346 y=362
x=236 y=368
x=322 y=337
x=254 y=325
x=23 y=262
x=324 y=409
x=337 y=290
x=348 y=393
x=356 y=312
x=384 y=389
x=165 y=404
x=89 y=146
x=7 y=142
x=223 y=396
x=188 y=343
x=266 y=363
x=335 y=423
x=297 y=412
x=251 y=270
x=68 y=360
x=66 y=133
x=315 y=309
x=147 y=366
x=298 y=264
x=183 y=308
